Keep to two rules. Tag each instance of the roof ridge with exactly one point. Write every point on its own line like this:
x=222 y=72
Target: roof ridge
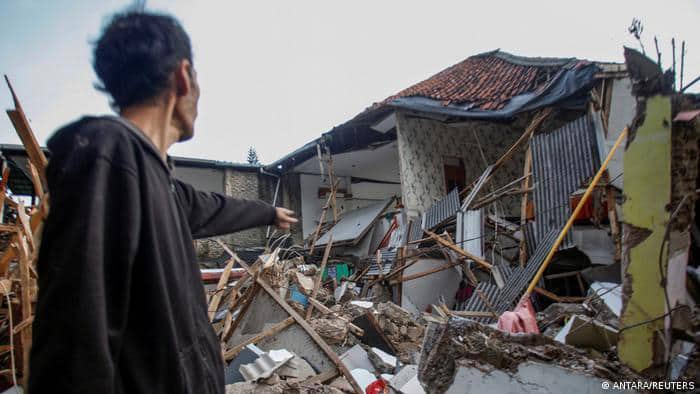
x=526 y=60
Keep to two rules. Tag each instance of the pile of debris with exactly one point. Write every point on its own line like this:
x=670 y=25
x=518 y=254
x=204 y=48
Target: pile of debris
x=20 y=238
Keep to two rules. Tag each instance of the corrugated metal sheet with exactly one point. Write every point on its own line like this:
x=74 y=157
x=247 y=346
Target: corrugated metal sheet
x=516 y=281
x=416 y=231
x=442 y=210
x=562 y=161
x=472 y=194
x=388 y=257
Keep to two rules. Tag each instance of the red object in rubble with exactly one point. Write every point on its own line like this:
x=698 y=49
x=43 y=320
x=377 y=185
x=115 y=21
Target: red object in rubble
x=379 y=386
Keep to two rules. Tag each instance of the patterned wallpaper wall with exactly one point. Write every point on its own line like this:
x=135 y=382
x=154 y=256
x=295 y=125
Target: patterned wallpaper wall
x=423 y=145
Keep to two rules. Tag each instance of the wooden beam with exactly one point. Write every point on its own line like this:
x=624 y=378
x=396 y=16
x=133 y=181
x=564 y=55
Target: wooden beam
x=279 y=327
x=459 y=250
x=471 y=314
x=557 y=298
x=319 y=275
x=425 y=273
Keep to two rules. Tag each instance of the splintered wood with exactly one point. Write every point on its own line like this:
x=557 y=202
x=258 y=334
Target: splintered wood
x=22 y=228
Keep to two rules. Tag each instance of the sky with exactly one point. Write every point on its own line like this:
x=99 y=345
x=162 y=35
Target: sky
x=277 y=74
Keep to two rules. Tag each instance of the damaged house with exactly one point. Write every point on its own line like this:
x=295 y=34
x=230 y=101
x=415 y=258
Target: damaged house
x=434 y=145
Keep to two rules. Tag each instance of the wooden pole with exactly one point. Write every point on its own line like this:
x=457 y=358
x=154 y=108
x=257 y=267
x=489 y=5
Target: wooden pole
x=319 y=274
x=523 y=205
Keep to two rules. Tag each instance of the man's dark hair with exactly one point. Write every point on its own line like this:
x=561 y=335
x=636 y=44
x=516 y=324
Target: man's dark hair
x=136 y=54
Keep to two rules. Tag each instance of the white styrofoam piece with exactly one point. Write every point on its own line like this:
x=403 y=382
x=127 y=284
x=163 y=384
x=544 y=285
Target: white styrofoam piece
x=356 y=357
x=611 y=293
x=362 y=377
x=386 y=357
x=387 y=376
x=561 y=335
x=363 y=304
x=412 y=387
x=265 y=365
x=340 y=291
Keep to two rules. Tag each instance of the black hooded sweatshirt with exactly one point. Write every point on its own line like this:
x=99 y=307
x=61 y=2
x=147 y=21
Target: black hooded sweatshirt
x=121 y=307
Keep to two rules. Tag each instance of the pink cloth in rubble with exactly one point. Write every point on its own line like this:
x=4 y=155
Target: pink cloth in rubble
x=522 y=319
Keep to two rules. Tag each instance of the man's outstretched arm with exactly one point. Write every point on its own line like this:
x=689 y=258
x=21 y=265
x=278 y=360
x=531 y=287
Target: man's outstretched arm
x=211 y=214
x=87 y=255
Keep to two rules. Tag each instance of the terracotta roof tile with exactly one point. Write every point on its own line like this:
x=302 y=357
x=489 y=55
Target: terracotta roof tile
x=486 y=81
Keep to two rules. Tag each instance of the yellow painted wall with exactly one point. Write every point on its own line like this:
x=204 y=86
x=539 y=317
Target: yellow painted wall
x=647 y=169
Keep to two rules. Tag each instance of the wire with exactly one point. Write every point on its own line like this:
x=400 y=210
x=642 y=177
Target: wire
x=653 y=319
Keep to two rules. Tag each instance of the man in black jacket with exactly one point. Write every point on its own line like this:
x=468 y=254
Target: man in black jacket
x=121 y=307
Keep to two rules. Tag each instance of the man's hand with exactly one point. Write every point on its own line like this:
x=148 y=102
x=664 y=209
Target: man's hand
x=285 y=218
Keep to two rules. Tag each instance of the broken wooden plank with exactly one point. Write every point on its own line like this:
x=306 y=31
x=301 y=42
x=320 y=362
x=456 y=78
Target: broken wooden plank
x=319 y=274
x=459 y=250
x=233 y=352
x=558 y=298
x=223 y=282
x=24 y=131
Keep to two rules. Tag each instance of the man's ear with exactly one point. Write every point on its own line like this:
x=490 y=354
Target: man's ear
x=183 y=78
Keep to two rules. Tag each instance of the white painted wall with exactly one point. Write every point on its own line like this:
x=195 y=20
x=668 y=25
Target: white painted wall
x=381 y=164
x=363 y=194
x=427 y=290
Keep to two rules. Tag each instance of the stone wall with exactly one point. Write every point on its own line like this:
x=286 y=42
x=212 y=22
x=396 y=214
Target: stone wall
x=243 y=184
x=247 y=184
x=424 y=144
